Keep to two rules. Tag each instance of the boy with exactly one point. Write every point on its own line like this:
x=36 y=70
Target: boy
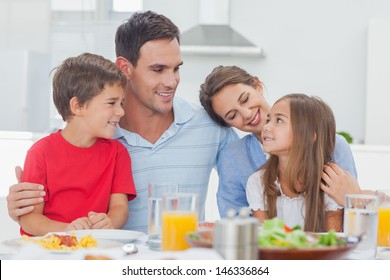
x=87 y=177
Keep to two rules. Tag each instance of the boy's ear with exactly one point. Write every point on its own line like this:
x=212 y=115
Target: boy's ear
x=124 y=65
x=75 y=106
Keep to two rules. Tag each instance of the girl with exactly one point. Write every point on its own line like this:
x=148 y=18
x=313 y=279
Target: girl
x=299 y=135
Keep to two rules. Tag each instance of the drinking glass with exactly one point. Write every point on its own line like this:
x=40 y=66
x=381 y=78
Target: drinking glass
x=155 y=193
x=179 y=217
x=361 y=220
x=384 y=218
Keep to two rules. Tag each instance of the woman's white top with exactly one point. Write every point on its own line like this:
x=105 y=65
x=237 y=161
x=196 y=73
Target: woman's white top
x=290 y=210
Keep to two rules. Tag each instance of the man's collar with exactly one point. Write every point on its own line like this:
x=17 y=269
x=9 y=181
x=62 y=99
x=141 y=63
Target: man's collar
x=182 y=110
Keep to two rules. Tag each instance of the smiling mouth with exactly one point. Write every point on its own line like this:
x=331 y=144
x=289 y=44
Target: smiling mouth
x=163 y=94
x=267 y=138
x=113 y=123
x=256 y=119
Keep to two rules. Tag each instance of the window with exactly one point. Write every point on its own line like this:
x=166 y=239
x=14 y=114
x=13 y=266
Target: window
x=73 y=5
x=90 y=5
x=127 y=5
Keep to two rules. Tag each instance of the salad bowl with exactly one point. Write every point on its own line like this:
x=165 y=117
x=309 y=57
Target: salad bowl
x=278 y=242
x=333 y=252
x=203 y=239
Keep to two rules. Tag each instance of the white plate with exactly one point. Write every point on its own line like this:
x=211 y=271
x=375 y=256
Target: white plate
x=120 y=235
x=101 y=244
x=102 y=236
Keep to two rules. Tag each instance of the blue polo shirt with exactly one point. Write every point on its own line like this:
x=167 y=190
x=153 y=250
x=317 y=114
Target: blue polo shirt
x=184 y=154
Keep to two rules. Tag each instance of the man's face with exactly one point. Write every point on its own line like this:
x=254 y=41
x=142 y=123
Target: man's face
x=154 y=80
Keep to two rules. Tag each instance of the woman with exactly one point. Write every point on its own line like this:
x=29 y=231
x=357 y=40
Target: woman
x=233 y=97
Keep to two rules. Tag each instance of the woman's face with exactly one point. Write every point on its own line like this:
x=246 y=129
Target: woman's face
x=243 y=107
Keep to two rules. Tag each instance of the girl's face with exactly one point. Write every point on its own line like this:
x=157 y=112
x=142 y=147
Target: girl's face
x=277 y=136
x=243 y=107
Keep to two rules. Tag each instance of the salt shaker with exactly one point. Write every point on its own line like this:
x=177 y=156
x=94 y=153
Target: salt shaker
x=235 y=237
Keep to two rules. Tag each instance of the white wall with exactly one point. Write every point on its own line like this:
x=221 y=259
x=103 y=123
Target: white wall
x=26 y=86
x=378 y=86
x=315 y=47
x=372 y=164
x=25 y=64
x=25 y=24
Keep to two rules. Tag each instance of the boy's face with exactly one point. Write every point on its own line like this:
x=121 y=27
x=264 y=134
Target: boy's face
x=154 y=80
x=102 y=113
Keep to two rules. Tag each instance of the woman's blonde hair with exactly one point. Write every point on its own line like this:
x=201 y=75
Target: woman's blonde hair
x=314 y=132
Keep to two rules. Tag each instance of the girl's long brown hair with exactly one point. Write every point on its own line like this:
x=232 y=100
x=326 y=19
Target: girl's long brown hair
x=314 y=131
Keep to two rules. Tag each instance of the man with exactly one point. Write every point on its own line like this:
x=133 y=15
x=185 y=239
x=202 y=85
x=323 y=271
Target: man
x=168 y=139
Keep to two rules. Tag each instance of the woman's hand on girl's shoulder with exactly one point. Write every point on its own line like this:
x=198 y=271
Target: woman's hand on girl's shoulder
x=337 y=183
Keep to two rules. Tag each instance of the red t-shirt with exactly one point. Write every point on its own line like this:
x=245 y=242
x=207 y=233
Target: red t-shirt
x=78 y=180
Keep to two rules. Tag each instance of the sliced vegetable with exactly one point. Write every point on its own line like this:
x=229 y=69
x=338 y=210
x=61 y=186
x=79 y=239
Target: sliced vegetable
x=287 y=229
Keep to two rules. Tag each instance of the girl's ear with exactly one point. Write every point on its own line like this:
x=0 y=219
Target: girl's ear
x=314 y=136
x=258 y=84
x=75 y=106
x=125 y=66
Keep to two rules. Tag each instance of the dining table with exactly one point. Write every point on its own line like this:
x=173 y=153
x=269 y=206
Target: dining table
x=109 y=247
x=16 y=255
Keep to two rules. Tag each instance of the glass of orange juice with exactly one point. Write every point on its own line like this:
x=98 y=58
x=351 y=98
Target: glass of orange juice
x=384 y=218
x=179 y=217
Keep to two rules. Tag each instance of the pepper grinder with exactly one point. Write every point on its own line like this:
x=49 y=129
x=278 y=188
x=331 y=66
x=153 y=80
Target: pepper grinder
x=235 y=237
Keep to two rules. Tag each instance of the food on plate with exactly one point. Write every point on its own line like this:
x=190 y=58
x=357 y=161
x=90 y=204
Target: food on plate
x=275 y=233
x=64 y=242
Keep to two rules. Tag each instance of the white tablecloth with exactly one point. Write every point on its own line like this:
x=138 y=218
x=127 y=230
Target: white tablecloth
x=36 y=252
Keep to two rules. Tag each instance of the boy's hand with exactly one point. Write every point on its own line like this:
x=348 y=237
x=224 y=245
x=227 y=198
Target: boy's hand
x=80 y=223
x=99 y=220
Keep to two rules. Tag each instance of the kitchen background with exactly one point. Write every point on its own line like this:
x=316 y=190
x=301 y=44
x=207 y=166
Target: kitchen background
x=334 y=49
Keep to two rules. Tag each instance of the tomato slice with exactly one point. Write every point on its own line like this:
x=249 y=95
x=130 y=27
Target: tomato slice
x=67 y=240
x=287 y=229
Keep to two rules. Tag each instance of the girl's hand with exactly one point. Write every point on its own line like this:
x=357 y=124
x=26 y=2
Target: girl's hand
x=80 y=223
x=99 y=220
